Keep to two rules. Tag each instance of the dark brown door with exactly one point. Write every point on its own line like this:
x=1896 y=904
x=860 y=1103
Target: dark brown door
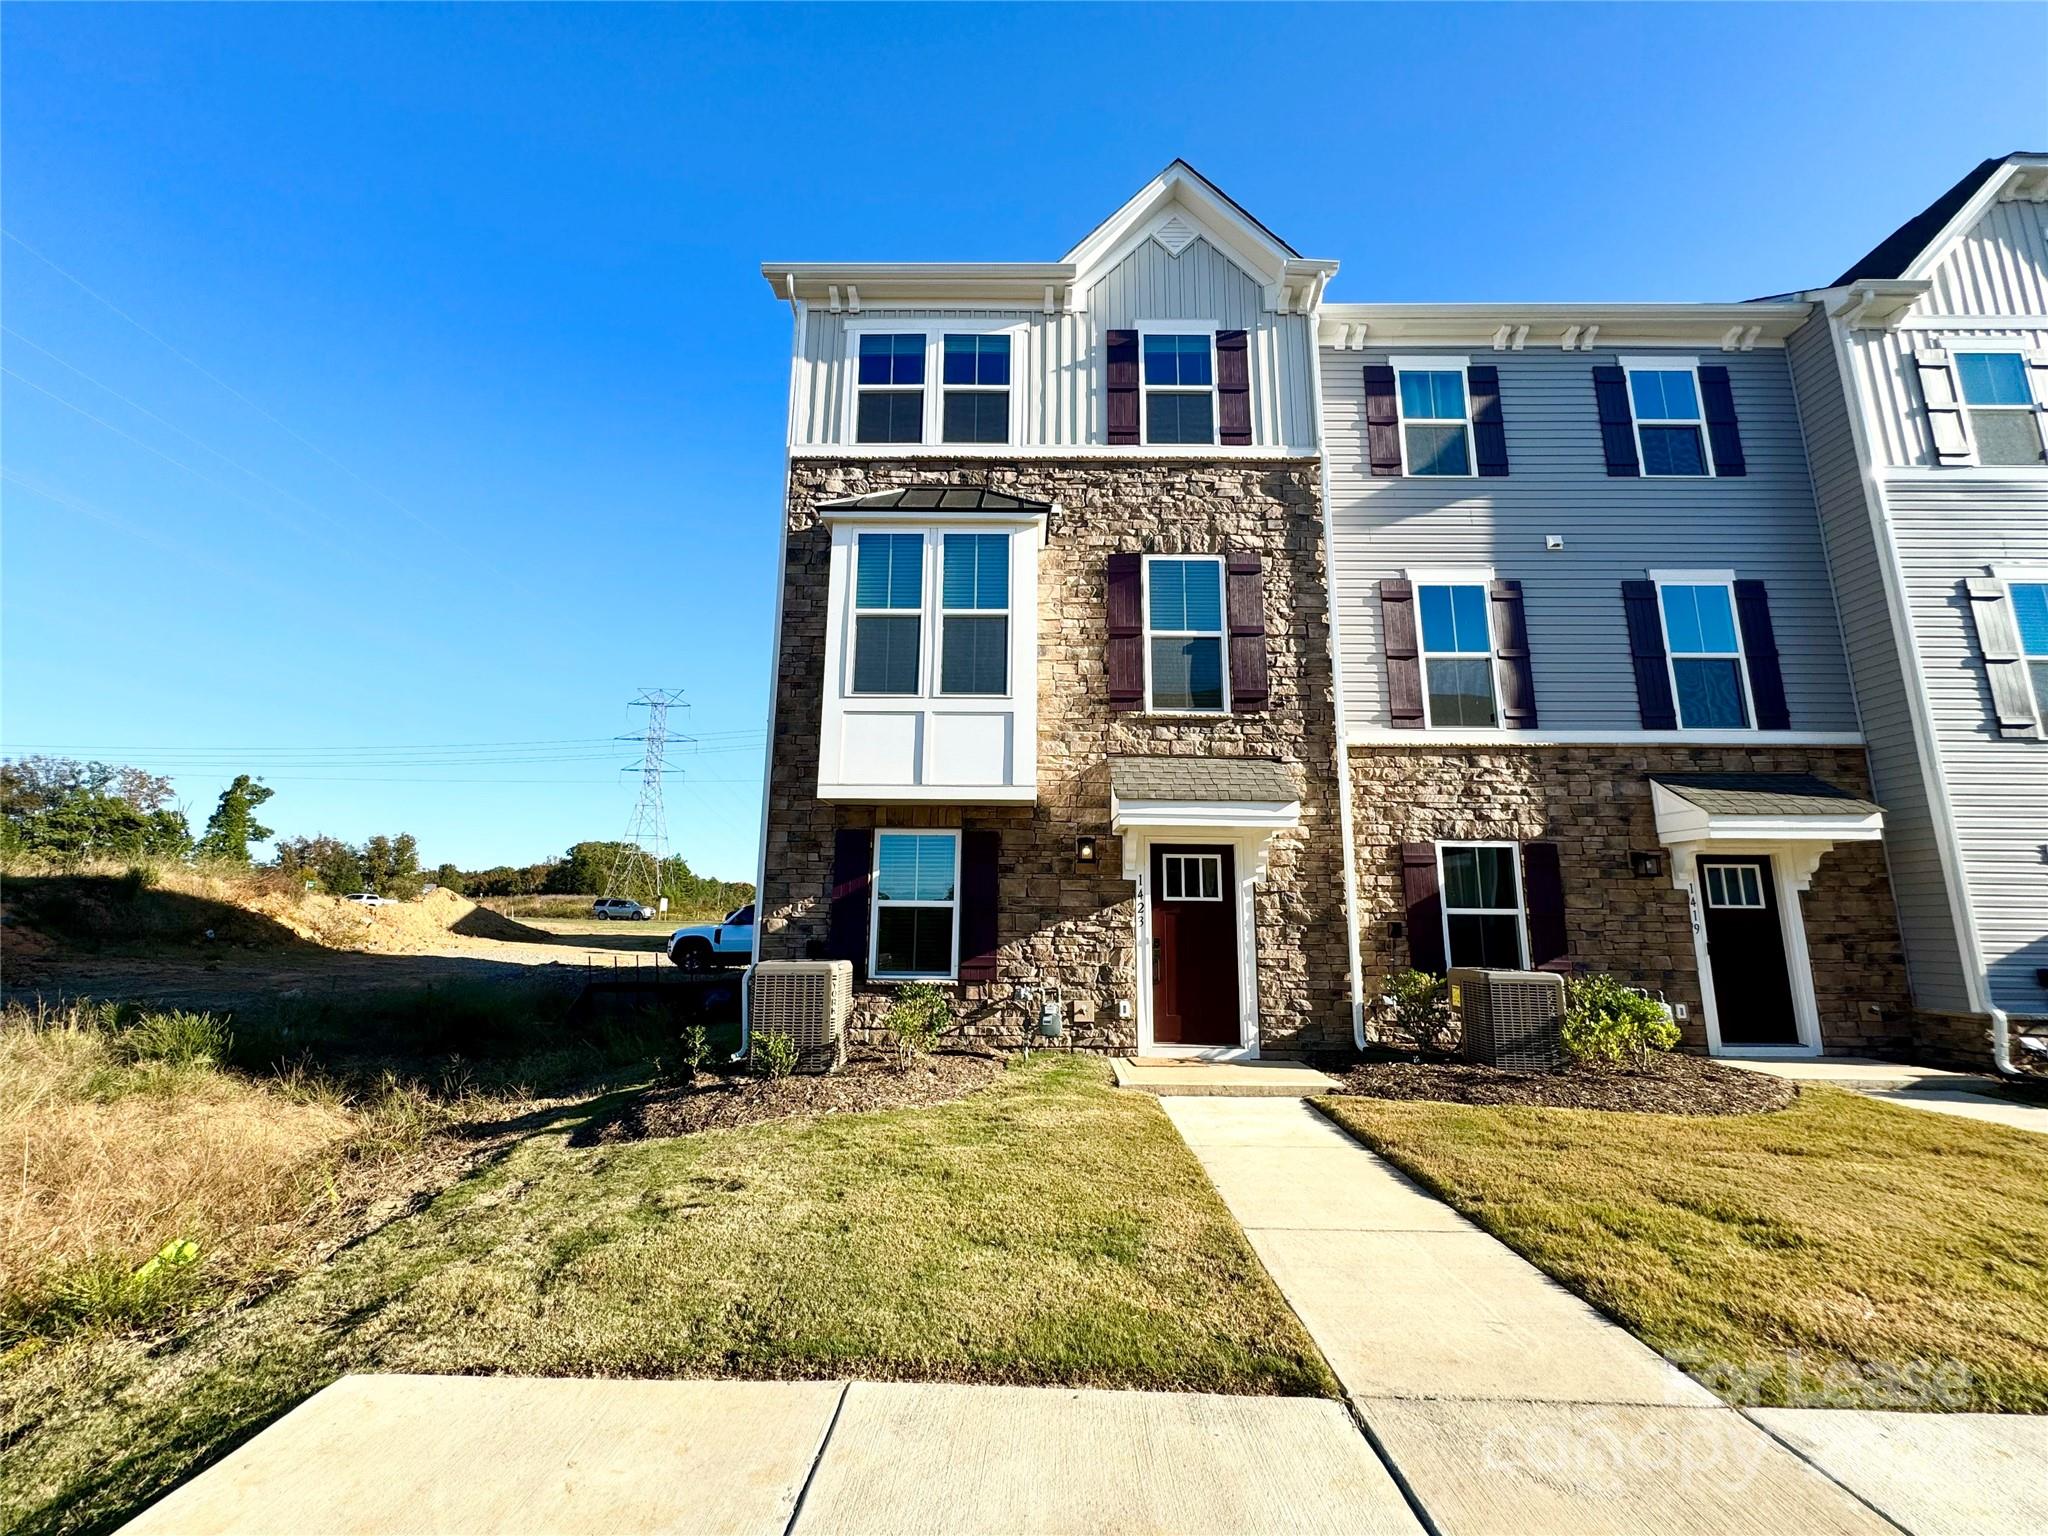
x=1746 y=948
x=1194 y=946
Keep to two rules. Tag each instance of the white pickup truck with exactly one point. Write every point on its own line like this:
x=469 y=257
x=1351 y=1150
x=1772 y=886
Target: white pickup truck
x=709 y=945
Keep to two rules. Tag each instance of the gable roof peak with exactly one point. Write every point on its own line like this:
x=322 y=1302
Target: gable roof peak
x=1212 y=213
x=1901 y=251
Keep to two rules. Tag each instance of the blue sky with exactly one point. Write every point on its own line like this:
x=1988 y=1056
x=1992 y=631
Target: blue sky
x=413 y=398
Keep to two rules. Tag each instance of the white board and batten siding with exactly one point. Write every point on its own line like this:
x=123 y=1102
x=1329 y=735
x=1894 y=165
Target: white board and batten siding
x=1761 y=525
x=1059 y=367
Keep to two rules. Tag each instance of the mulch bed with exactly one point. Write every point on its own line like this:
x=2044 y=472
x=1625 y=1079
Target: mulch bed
x=724 y=1103
x=1670 y=1084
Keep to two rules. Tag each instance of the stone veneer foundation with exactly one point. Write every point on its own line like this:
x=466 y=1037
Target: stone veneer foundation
x=1062 y=924
x=1594 y=803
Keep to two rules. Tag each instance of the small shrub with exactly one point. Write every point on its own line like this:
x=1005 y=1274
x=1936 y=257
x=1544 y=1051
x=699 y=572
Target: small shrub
x=1417 y=1010
x=696 y=1046
x=916 y=1019
x=772 y=1054
x=176 y=1039
x=1609 y=1024
x=140 y=878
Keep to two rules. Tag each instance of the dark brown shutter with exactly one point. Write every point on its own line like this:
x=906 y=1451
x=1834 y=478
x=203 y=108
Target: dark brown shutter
x=980 y=852
x=1245 y=598
x=1617 y=425
x=1724 y=436
x=1425 y=907
x=1489 y=428
x=1646 y=649
x=1233 y=389
x=1760 y=650
x=1121 y=379
x=1543 y=897
x=1404 y=654
x=1511 y=650
x=853 y=865
x=1382 y=421
x=1125 y=590
x=2005 y=666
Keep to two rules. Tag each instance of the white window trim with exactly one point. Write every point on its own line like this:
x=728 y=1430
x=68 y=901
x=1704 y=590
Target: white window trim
x=1521 y=912
x=875 y=903
x=1469 y=576
x=1956 y=349
x=922 y=613
x=2007 y=577
x=938 y=538
x=933 y=417
x=1461 y=367
x=1663 y=579
x=1146 y=389
x=1202 y=863
x=1221 y=632
x=1631 y=366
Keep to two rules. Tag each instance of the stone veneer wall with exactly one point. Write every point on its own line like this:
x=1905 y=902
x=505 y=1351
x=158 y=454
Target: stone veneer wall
x=1062 y=924
x=1594 y=803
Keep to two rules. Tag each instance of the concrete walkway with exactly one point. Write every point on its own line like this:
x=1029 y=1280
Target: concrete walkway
x=401 y=1455
x=1969 y=1095
x=1504 y=1403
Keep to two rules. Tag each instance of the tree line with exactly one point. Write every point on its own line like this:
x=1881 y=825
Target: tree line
x=72 y=813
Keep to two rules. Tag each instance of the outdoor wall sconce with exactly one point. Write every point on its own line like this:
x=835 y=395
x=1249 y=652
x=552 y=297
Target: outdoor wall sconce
x=1084 y=850
x=1646 y=862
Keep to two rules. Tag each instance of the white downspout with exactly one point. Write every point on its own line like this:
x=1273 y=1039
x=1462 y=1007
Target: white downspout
x=1347 y=852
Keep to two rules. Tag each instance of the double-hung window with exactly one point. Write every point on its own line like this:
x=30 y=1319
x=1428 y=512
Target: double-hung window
x=1670 y=432
x=1481 y=884
x=1180 y=387
x=2030 y=613
x=1184 y=640
x=916 y=920
x=890 y=388
x=1457 y=655
x=888 y=613
x=975 y=371
x=1704 y=649
x=1999 y=402
x=1436 y=422
x=974 y=613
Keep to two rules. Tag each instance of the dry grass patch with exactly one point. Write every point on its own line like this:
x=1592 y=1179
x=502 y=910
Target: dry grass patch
x=1049 y=1229
x=1841 y=1252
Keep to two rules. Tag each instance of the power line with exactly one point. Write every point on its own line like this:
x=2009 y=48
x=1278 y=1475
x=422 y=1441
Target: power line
x=207 y=373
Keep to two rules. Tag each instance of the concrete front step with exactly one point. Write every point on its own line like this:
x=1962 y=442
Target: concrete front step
x=1183 y=1076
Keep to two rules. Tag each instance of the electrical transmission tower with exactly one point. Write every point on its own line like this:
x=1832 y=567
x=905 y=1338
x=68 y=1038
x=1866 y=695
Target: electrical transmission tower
x=644 y=849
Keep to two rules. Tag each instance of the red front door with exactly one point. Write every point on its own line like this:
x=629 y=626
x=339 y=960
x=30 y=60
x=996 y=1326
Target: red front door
x=1194 y=945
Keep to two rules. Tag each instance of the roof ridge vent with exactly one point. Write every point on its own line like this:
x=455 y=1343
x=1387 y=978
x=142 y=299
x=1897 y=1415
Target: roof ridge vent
x=1176 y=234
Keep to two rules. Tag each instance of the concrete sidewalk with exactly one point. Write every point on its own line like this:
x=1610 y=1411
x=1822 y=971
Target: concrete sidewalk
x=1969 y=1095
x=1504 y=1403
x=399 y=1455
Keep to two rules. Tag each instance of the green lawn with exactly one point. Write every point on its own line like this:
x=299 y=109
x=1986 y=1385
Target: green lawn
x=1840 y=1251
x=1050 y=1229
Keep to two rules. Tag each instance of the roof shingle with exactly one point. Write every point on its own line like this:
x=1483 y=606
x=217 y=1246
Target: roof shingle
x=1764 y=794
x=1202 y=778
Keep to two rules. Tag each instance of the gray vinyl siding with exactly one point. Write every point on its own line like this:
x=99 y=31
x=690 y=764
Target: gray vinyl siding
x=1934 y=954
x=1762 y=526
x=1997 y=788
x=1061 y=373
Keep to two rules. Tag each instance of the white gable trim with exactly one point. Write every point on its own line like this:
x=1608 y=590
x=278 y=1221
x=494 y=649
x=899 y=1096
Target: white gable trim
x=1936 y=251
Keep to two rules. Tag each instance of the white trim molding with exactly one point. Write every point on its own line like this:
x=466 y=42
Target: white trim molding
x=1388 y=736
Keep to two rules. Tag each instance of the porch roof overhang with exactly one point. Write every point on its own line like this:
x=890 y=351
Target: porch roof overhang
x=1239 y=800
x=941 y=505
x=1699 y=808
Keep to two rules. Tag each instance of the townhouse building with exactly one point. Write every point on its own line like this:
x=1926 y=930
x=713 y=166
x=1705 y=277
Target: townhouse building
x=1596 y=702
x=1923 y=386
x=1053 y=722
x=1167 y=649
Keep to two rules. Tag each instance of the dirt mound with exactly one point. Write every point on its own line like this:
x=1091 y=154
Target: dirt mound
x=400 y=928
